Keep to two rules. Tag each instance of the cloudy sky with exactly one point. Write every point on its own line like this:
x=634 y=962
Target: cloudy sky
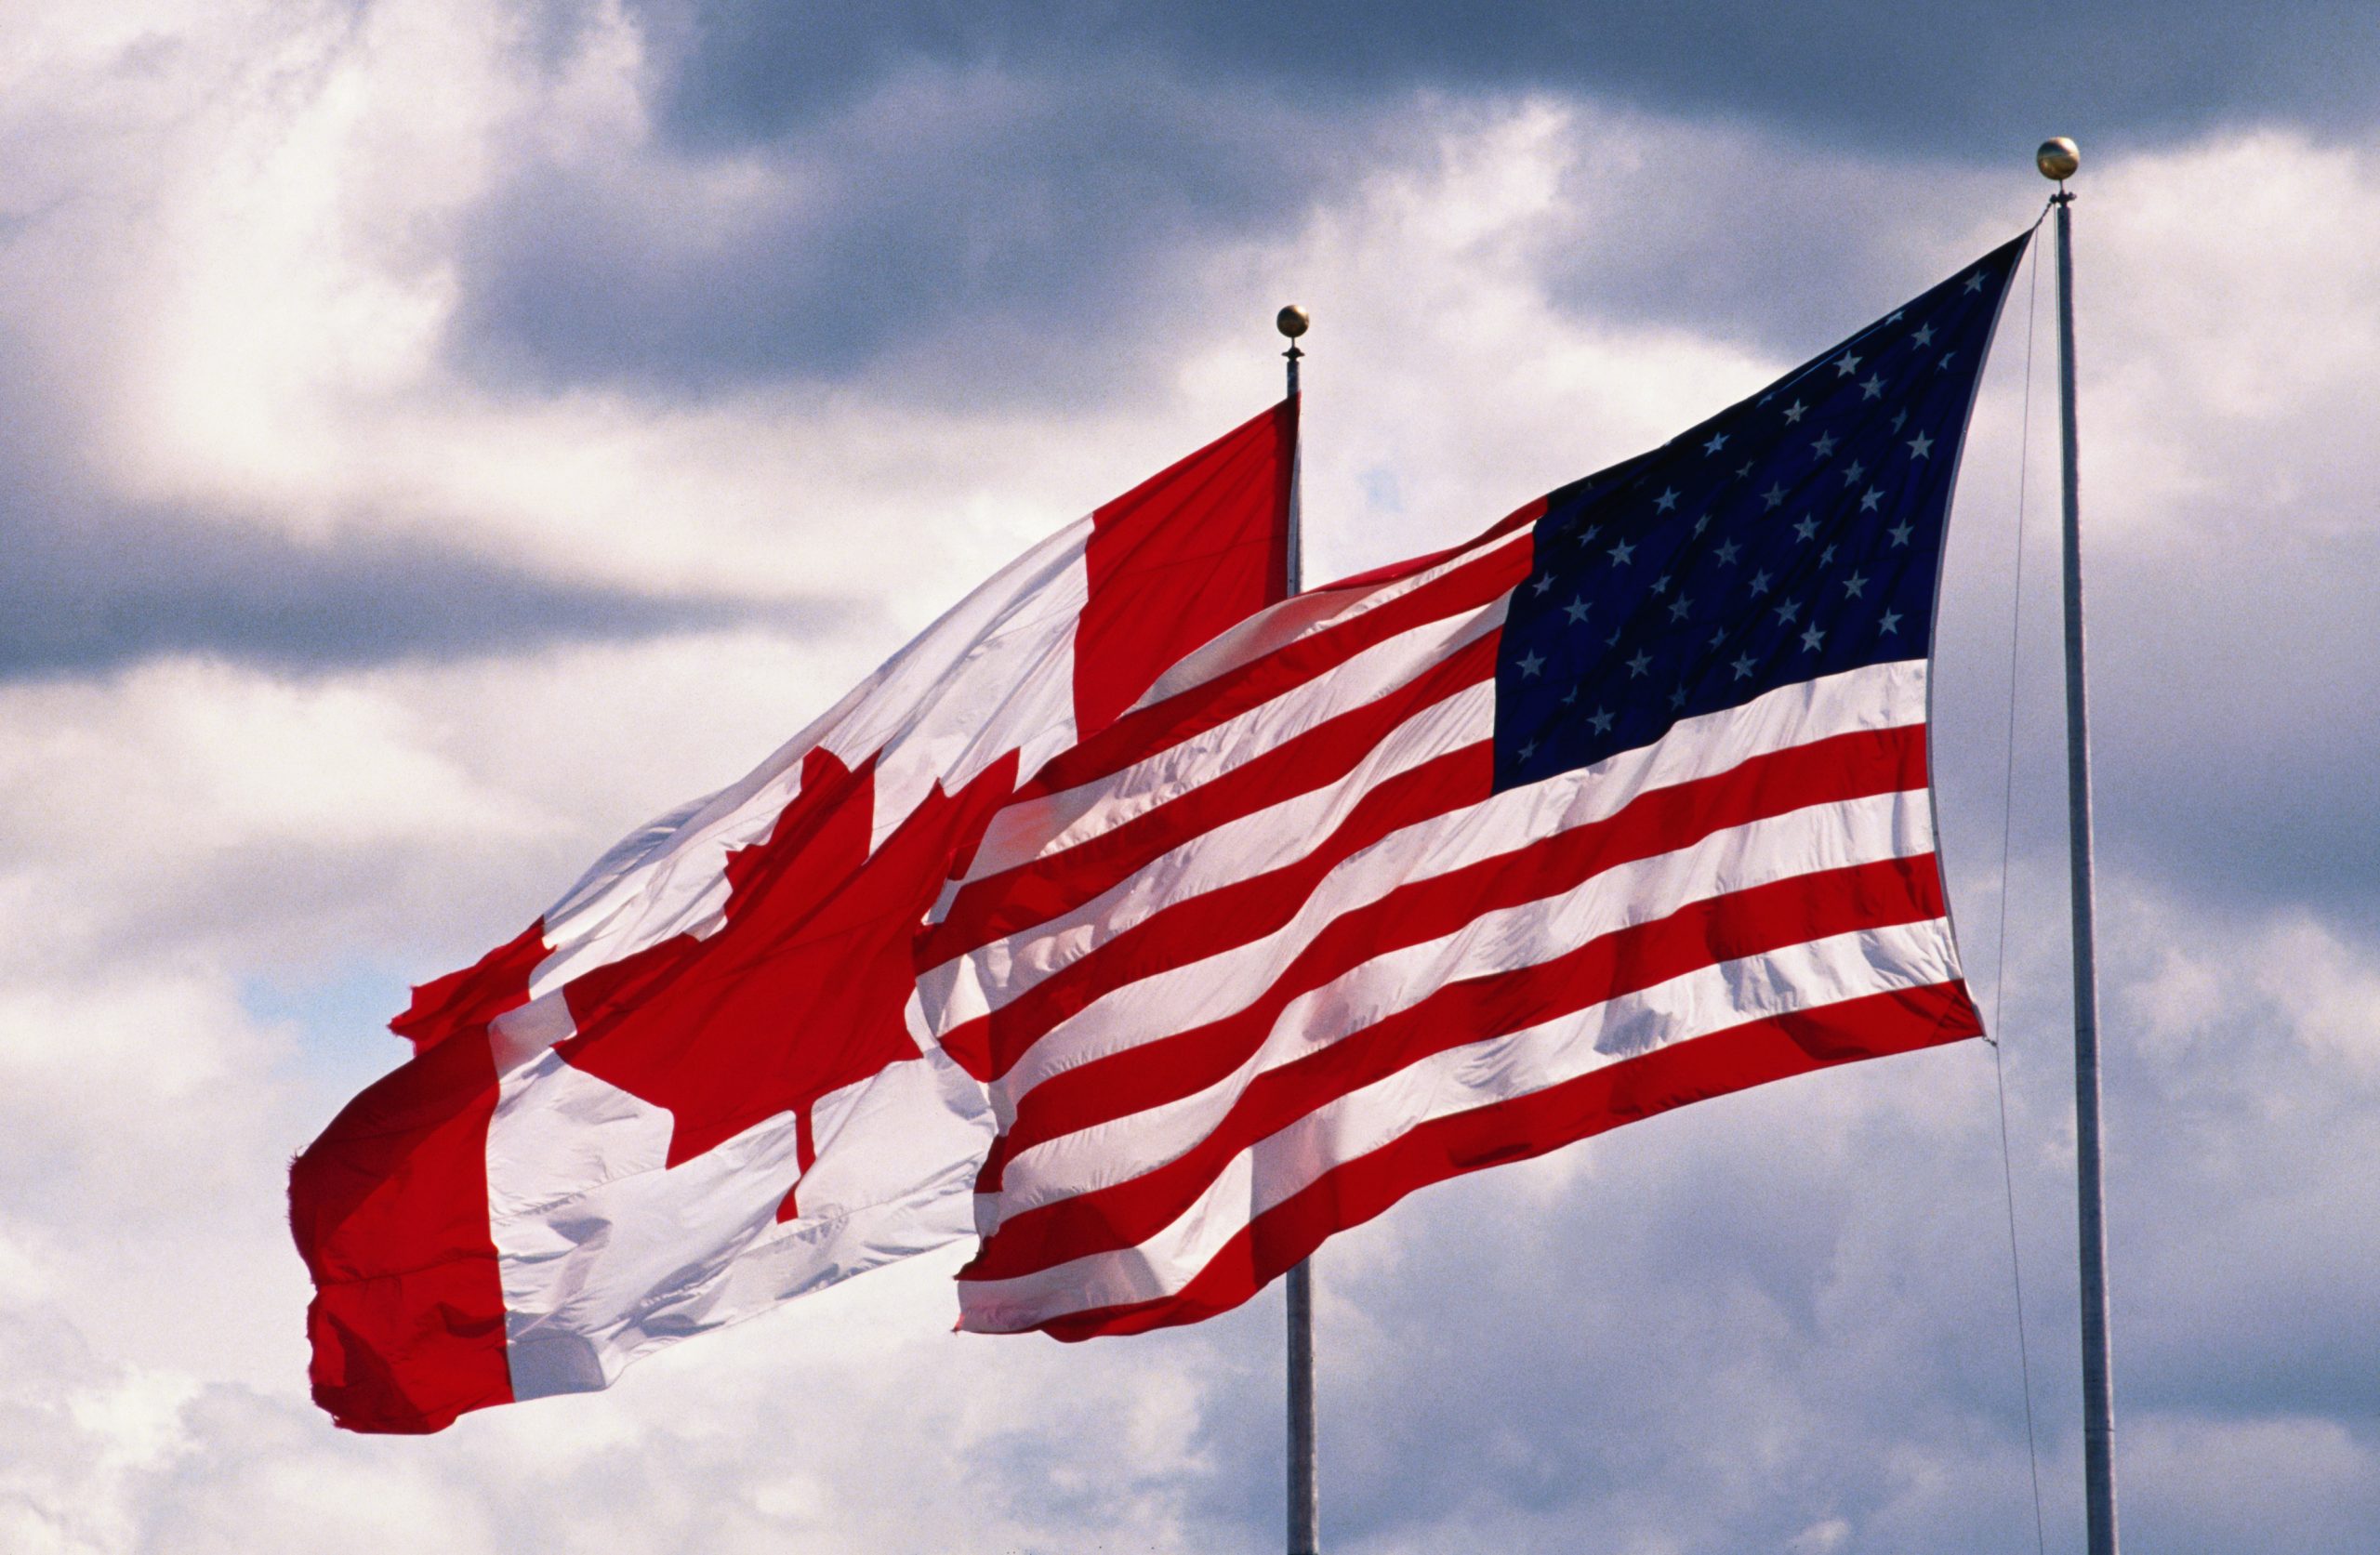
x=442 y=433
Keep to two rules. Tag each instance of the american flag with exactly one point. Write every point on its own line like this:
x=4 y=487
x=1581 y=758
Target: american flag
x=1621 y=807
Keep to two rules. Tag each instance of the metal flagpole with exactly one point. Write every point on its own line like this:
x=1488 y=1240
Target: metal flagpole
x=1305 y=1507
x=2059 y=159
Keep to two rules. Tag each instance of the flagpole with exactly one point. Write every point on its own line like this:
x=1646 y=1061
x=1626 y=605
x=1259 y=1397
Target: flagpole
x=2059 y=159
x=1305 y=1507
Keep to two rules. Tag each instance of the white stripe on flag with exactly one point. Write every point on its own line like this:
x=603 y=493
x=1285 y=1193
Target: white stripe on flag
x=1039 y=827
x=1176 y=999
x=1799 y=977
x=1803 y=842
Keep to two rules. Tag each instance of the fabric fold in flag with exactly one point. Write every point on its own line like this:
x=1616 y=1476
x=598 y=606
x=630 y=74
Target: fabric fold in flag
x=1622 y=807
x=699 y=1085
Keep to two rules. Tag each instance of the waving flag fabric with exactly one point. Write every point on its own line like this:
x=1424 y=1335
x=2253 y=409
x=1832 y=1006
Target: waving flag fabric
x=1622 y=807
x=696 y=1086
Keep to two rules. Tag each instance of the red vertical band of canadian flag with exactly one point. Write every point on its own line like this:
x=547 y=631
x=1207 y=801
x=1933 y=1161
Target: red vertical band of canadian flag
x=700 y=1084
x=1275 y=950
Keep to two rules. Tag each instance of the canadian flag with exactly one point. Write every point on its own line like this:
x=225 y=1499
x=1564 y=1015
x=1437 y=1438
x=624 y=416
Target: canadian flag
x=700 y=1085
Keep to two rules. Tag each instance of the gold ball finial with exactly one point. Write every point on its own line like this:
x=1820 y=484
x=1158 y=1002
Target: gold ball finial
x=2058 y=158
x=1292 y=320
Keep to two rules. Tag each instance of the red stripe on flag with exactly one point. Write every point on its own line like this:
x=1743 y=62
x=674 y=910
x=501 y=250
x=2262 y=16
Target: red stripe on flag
x=389 y=1210
x=1854 y=766
x=1052 y=887
x=1144 y=731
x=1460 y=1013
x=1163 y=582
x=1519 y=518
x=1225 y=917
x=1756 y=1053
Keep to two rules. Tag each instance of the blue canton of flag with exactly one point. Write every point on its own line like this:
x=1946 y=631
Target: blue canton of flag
x=1794 y=536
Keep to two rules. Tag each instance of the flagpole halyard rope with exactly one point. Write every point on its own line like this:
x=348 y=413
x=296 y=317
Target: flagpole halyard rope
x=2000 y=949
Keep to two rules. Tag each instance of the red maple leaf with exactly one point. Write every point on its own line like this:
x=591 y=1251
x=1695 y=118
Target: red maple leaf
x=801 y=992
